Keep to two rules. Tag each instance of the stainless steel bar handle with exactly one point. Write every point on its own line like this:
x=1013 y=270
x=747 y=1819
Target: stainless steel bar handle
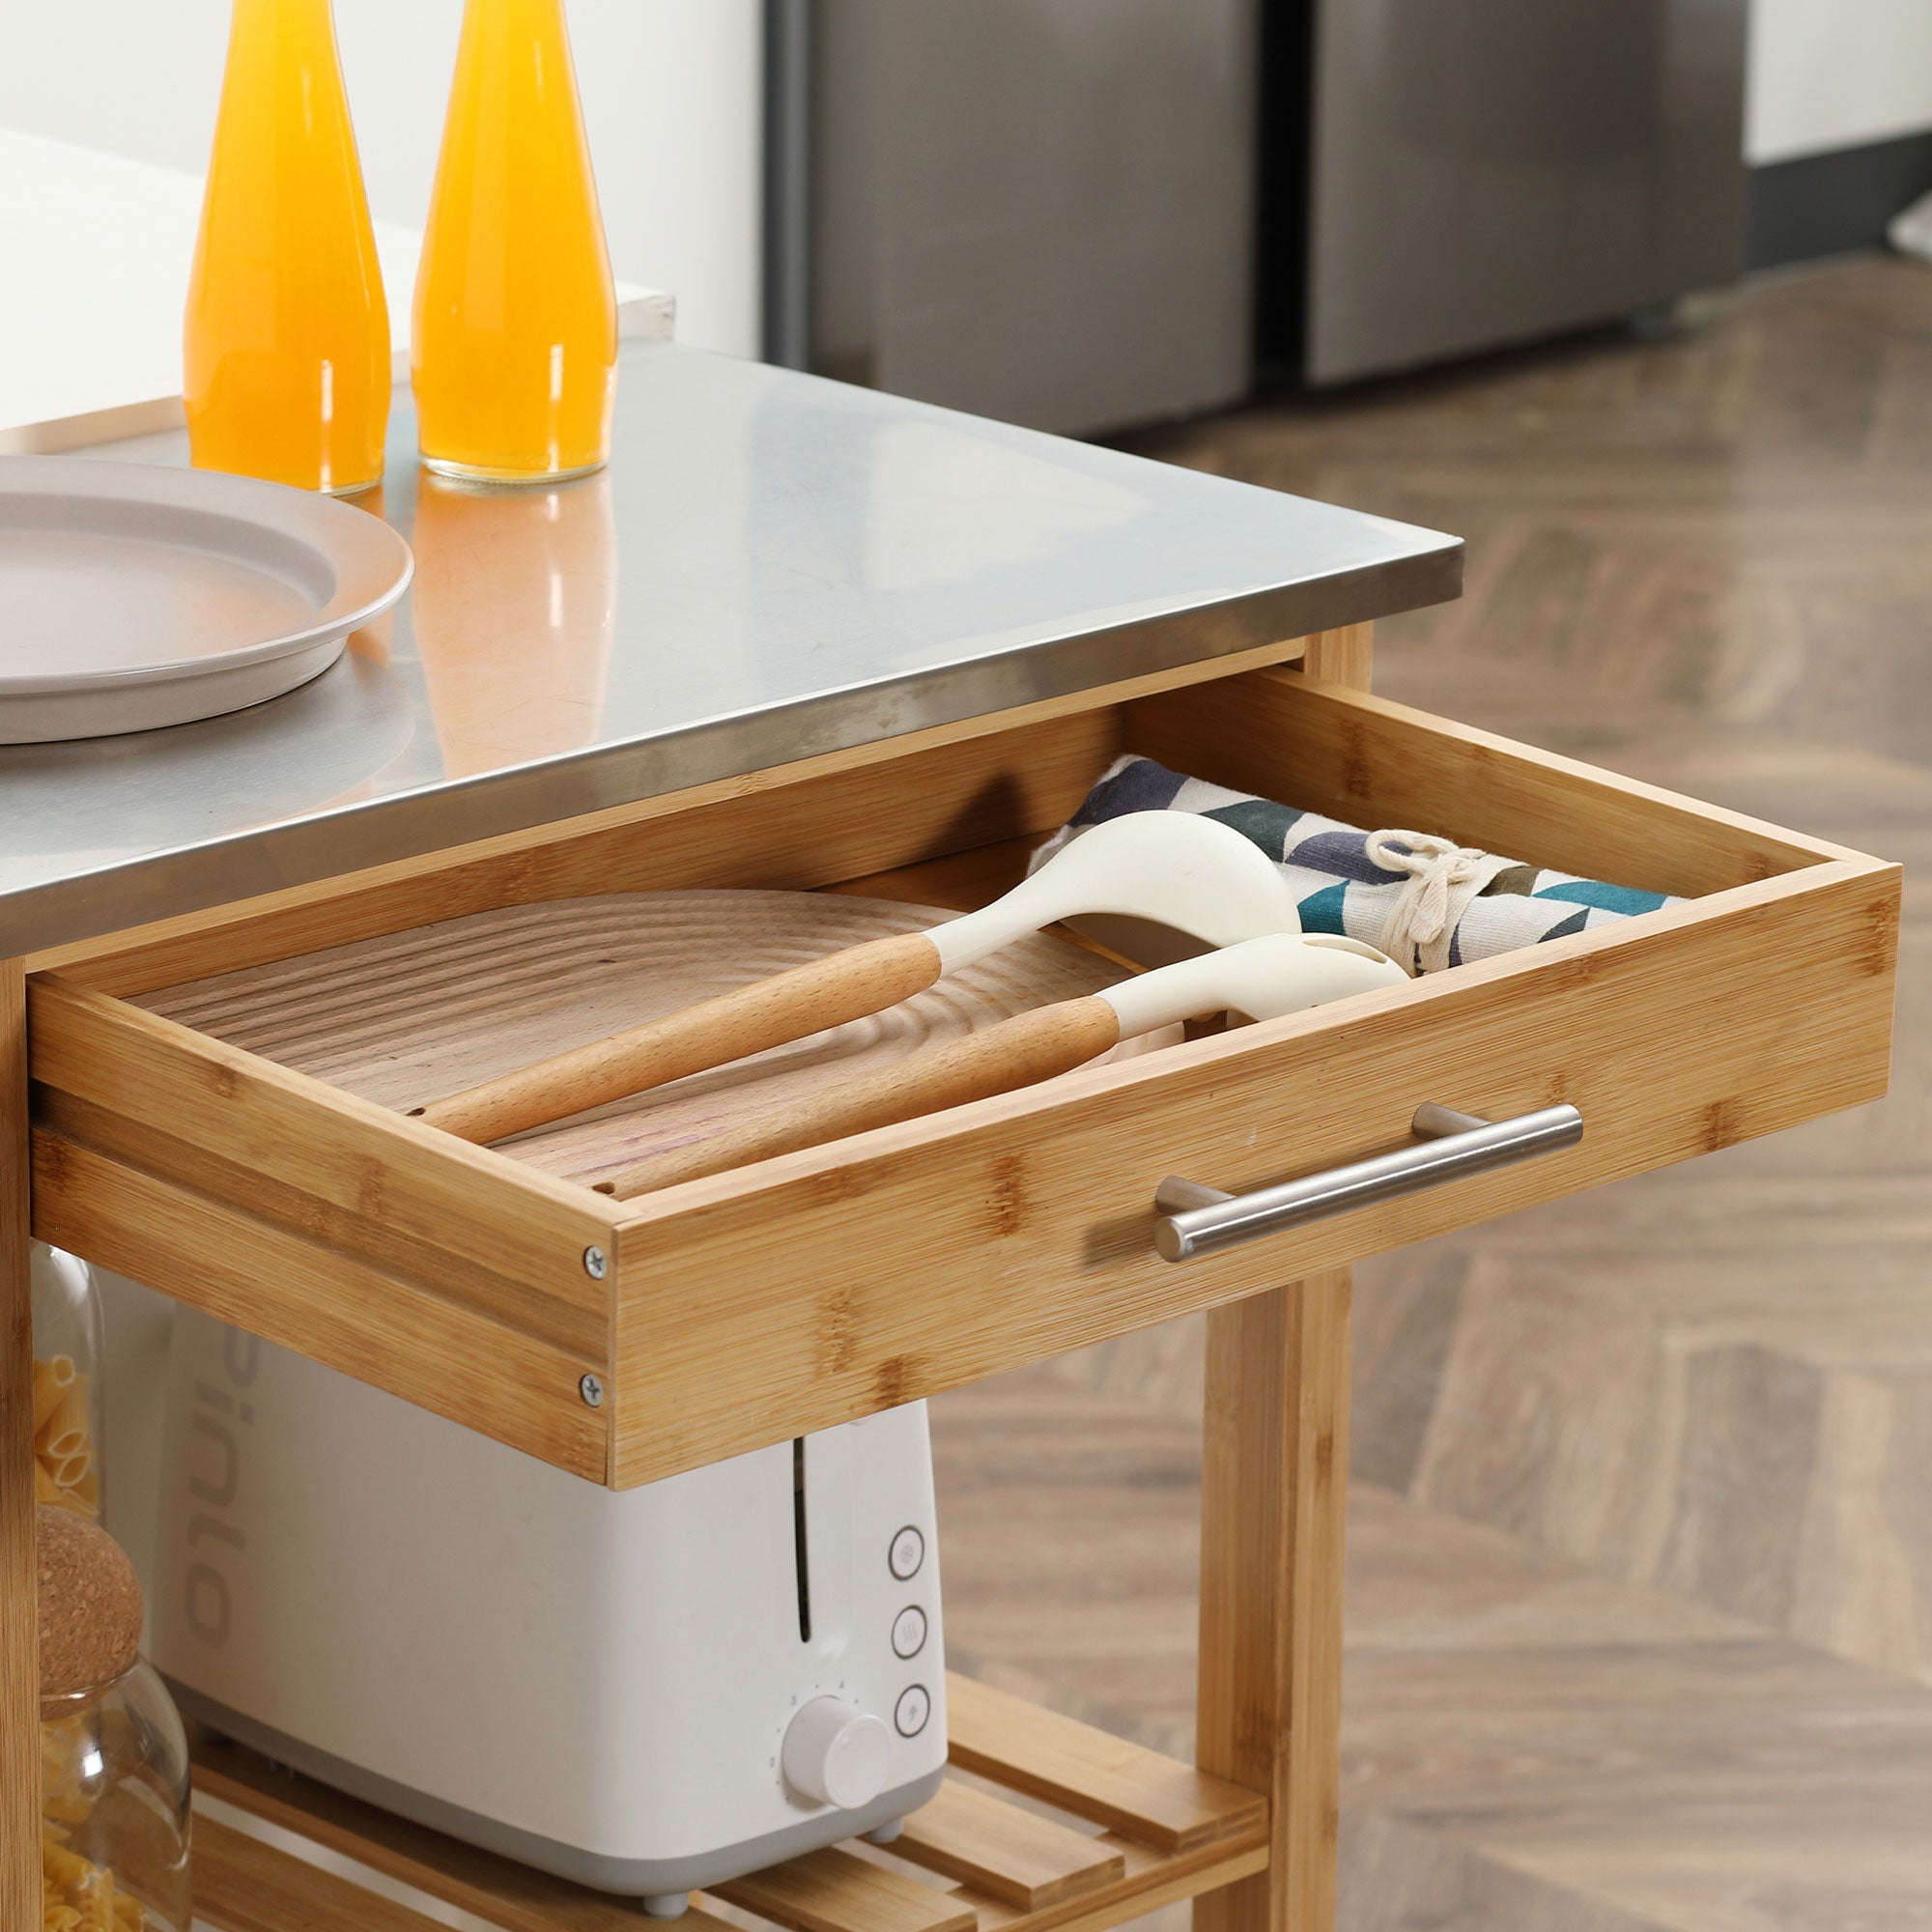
x=1195 y=1220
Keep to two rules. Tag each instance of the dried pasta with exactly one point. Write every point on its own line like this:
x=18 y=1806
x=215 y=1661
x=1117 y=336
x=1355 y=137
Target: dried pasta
x=64 y=1434
x=50 y=1379
x=64 y=1472
x=77 y=1895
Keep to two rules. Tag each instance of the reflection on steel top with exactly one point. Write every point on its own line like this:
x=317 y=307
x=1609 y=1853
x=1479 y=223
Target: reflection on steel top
x=773 y=566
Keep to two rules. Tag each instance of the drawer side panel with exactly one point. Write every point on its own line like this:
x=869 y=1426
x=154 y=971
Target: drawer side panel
x=1374 y=763
x=794 y=827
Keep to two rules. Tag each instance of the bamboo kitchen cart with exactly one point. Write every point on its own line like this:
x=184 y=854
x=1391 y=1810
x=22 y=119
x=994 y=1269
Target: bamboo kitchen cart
x=862 y=644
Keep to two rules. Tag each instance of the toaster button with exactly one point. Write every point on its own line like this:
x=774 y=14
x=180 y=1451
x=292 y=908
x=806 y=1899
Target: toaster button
x=912 y=1711
x=909 y=1632
x=907 y=1553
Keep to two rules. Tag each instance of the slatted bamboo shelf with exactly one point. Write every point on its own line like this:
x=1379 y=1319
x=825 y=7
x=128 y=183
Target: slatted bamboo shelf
x=988 y=1864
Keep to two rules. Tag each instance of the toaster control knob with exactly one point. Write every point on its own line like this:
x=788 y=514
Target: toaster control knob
x=837 y=1753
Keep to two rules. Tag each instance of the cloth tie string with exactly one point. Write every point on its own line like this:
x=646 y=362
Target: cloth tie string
x=1423 y=900
x=1442 y=878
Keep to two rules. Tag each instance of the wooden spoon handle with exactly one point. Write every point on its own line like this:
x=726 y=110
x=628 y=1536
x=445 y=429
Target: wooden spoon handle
x=1015 y=1053
x=847 y=985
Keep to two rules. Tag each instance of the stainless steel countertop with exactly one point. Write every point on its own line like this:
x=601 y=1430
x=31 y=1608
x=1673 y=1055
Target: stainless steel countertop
x=772 y=567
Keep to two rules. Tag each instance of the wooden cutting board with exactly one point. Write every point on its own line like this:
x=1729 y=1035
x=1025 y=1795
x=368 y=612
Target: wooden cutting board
x=407 y=1017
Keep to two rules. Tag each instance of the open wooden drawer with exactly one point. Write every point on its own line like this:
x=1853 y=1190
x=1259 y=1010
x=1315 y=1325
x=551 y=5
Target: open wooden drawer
x=628 y=1341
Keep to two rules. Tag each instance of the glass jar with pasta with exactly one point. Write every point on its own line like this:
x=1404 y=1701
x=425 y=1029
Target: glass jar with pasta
x=114 y=1763
x=67 y=1389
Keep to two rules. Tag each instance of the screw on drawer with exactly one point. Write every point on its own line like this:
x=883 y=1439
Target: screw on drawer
x=596 y=1263
x=591 y=1389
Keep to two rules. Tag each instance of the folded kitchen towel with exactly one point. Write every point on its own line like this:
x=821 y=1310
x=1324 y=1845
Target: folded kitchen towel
x=1423 y=900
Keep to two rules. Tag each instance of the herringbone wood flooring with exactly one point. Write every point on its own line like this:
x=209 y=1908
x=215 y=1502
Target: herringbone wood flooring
x=1640 y=1591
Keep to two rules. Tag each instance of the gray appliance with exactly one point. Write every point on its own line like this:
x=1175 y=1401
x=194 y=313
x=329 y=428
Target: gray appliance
x=1040 y=211
x=1482 y=172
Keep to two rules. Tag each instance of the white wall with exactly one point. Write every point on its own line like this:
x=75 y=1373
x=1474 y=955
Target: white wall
x=672 y=93
x=1835 y=74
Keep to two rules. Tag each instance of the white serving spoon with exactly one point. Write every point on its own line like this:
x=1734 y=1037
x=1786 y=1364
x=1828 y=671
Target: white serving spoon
x=1174 y=869
x=1262 y=977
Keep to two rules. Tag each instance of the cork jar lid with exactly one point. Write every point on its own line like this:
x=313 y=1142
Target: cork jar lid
x=90 y=1605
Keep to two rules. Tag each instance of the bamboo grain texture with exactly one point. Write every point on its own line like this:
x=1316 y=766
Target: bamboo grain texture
x=867 y=808
x=1274 y=1473
x=1369 y=761
x=1019 y=1857
x=390 y=1022
x=516 y=1897
x=1174 y=1807
x=793 y=1005
x=849 y=1277
x=304 y=1296
x=1014 y=1053
x=1154 y=1880
x=1344 y=657
x=843 y=1277
x=1273 y=1513
x=242 y=1885
x=352 y=1156
x=835 y=1891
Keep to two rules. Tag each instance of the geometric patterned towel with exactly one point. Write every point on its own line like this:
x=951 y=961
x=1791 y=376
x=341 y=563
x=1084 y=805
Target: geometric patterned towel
x=1425 y=902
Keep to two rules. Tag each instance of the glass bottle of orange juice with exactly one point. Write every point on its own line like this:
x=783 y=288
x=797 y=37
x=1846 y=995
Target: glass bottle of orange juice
x=514 y=353
x=286 y=343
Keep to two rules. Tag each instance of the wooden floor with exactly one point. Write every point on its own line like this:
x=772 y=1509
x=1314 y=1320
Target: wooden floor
x=1640 y=1612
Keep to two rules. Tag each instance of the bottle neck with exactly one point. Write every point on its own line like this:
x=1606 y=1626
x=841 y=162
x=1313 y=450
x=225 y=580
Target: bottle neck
x=284 y=76
x=282 y=60
x=529 y=38
x=289 y=23
x=522 y=18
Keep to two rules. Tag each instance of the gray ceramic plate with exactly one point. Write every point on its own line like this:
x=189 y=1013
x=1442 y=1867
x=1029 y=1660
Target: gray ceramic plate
x=135 y=594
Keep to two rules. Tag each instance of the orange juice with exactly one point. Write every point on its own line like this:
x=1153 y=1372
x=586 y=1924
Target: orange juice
x=286 y=342
x=513 y=354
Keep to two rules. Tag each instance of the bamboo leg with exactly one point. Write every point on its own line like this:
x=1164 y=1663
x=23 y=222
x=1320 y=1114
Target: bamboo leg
x=1274 y=1496
x=1270 y=1673
x=19 y=1664
x=1342 y=657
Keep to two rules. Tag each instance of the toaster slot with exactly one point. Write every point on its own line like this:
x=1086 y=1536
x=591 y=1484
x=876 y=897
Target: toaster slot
x=800 y=1539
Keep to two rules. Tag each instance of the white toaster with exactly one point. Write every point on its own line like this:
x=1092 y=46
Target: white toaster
x=643 y=1691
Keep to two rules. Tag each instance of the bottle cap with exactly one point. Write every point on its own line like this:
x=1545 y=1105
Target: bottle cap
x=90 y=1605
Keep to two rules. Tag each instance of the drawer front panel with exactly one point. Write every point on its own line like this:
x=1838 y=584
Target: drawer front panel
x=910 y=1261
